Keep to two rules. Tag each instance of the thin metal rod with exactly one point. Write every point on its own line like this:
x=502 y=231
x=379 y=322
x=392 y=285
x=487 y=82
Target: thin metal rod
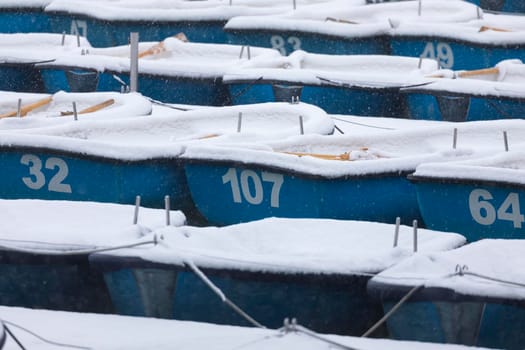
x=75 y=114
x=8 y=331
x=414 y=226
x=136 y=213
x=506 y=141
x=396 y=231
x=339 y=129
x=78 y=38
x=294 y=4
x=134 y=61
x=248 y=52
x=419 y=8
x=19 y=108
x=455 y=138
x=63 y=38
x=239 y=122
x=420 y=62
x=167 y=207
x=301 y=125
x=242 y=51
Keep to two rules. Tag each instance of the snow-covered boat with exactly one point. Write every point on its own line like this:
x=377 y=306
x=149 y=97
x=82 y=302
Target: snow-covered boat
x=108 y=23
x=28 y=110
x=44 y=247
x=477 y=43
x=115 y=160
x=341 y=27
x=76 y=330
x=171 y=70
x=478 y=198
x=473 y=295
x=20 y=53
x=358 y=177
x=24 y=16
x=344 y=84
x=259 y=267
x=465 y=95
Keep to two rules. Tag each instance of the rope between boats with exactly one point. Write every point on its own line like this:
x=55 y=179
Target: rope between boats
x=362 y=124
x=290 y=327
x=79 y=251
x=38 y=337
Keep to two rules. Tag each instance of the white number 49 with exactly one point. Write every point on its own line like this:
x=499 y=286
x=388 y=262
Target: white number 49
x=485 y=214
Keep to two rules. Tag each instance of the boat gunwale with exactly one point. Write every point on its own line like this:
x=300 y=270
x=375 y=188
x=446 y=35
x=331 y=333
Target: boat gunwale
x=462 y=181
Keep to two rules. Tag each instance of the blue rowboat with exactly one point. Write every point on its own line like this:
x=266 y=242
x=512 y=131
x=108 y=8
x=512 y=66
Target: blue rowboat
x=472 y=295
x=109 y=24
x=24 y=17
x=44 y=247
x=501 y=5
x=46 y=167
x=170 y=71
x=366 y=85
x=479 y=198
x=340 y=177
x=478 y=43
x=22 y=52
x=482 y=94
x=43 y=110
x=341 y=27
x=259 y=267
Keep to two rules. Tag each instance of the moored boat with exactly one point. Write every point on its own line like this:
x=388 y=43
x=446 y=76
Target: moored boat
x=466 y=95
x=260 y=268
x=501 y=5
x=473 y=295
x=478 y=198
x=343 y=84
x=44 y=247
x=24 y=16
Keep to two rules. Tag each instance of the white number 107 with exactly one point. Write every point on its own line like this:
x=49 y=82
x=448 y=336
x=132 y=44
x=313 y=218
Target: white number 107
x=256 y=196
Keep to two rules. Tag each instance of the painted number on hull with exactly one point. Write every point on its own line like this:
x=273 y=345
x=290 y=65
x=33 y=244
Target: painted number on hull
x=442 y=52
x=278 y=43
x=485 y=213
x=36 y=179
x=78 y=27
x=250 y=185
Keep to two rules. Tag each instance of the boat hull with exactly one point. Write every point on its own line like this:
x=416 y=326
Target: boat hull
x=39 y=173
x=170 y=89
x=227 y=193
x=501 y=5
x=52 y=282
x=24 y=20
x=476 y=209
x=443 y=316
x=332 y=99
x=455 y=54
x=20 y=78
x=106 y=33
x=288 y=41
x=324 y=303
x=446 y=106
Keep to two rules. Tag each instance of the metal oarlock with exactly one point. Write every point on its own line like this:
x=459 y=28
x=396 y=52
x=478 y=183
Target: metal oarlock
x=134 y=61
x=19 y=108
x=506 y=141
x=167 y=207
x=414 y=226
x=75 y=114
x=396 y=231
x=455 y=138
x=239 y=122
x=301 y=125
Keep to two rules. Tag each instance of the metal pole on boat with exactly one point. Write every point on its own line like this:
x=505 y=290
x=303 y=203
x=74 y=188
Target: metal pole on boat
x=167 y=207
x=506 y=141
x=301 y=125
x=419 y=8
x=134 y=61
x=242 y=51
x=294 y=4
x=396 y=232
x=420 y=62
x=63 y=38
x=136 y=213
x=455 y=138
x=239 y=122
x=78 y=39
x=248 y=52
x=75 y=115
x=19 y=108
x=414 y=226
x=478 y=11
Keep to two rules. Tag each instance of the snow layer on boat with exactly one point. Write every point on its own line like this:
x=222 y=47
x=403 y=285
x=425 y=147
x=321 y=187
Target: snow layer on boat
x=392 y=152
x=60 y=109
x=38 y=47
x=506 y=79
x=212 y=124
x=25 y=4
x=68 y=225
x=160 y=10
x=342 y=20
x=270 y=245
x=373 y=71
x=492 y=258
x=96 y=331
x=174 y=58
x=503 y=167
